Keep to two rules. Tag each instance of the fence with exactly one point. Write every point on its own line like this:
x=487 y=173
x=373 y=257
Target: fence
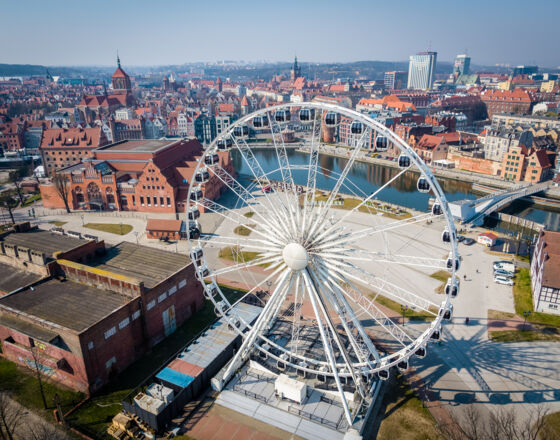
x=42 y=212
x=314 y=418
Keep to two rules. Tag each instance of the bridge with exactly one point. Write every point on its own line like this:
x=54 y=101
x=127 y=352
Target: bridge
x=474 y=211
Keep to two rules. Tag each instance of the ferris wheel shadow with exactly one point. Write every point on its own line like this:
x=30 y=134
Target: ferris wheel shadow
x=475 y=369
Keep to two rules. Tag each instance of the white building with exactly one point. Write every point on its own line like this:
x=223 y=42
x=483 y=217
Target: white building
x=421 y=70
x=155 y=128
x=545 y=276
x=498 y=141
x=185 y=126
x=124 y=114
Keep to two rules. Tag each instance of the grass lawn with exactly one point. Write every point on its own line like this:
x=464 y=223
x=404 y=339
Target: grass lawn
x=113 y=228
x=24 y=387
x=351 y=203
x=57 y=223
x=244 y=230
x=552 y=427
x=443 y=276
x=32 y=199
x=249 y=214
x=523 y=299
x=239 y=256
x=404 y=417
x=94 y=417
x=524 y=335
x=412 y=315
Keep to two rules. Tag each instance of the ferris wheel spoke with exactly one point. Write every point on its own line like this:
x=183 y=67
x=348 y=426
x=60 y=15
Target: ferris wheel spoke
x=326 y=344
x=236 y=217
x=241 y=192
x=261 y=177
x=362 y=203
x=266 y=316
x=398 y=293
x=246 y=265
x=404 y=260
x=363 y=233
x=369 y=308
x=339 y=303
x=296 y=321
x=312 y=171
x=334 y=192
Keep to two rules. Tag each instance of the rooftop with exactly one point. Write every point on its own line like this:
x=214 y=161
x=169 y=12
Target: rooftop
x=144 y=263
x=13 y=278
x=66 y=303
x=138 y=146
x=43 y=241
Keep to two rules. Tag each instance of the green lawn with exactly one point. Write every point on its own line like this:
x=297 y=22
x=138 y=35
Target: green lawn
x=244 y=230
x=249 y=214
x=404 y=417
x=32 y=199
x=24 y=387
x=372 y=207
x=396 y=307
x=113 y=228
x=94 y=416
x=523 y=335
x=239 y=256
x=524 y=301
x=57 y=223
x=443 y=276
x=552 y=427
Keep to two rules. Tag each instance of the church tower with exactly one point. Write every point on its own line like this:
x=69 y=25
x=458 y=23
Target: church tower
x=120 y=80
x=296 y=70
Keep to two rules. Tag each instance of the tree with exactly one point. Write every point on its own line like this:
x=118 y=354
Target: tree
x=503 y=424
x=11 y=415
x=15 y=178
x=62 y=188
x=38 y=370
x=8 y=201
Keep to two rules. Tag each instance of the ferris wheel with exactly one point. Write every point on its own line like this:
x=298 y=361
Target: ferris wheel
x=331 y=257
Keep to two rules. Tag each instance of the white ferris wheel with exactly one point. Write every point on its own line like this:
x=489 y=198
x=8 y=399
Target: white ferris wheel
x=323 y=268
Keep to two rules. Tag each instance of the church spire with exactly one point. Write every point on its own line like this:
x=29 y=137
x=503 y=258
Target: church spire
x=118 y=60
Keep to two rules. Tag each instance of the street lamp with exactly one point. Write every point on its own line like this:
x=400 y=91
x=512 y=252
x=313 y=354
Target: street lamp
x=268 y=285
x=121 y=228
x=526 y=315
x=136 y=234
x=82 y=216
x=403 y=309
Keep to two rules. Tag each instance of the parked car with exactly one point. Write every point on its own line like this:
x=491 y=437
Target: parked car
x=460 y=238
x=504 y=265
x=468 y=241
x=503 y=273
x=503 y=280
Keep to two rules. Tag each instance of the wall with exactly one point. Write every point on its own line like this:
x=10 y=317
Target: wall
x=50 y=197
x=476 y=165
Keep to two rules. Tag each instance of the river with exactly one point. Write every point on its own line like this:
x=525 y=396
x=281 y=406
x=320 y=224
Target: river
x=369 y=177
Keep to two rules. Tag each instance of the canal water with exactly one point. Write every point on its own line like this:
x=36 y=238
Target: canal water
x=369 y=177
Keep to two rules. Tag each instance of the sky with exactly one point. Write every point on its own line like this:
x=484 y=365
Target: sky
x=164 y=32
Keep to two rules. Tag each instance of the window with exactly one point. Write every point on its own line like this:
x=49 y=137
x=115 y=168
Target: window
x=142 y=200
x=162 y=297
x=161 y=201
x=110 y=332
x=172 y=290
x=148 y=201
x=182 y=284
x=134 y=200
x=136 y=315
x=110 y=362
x=124 y=323
x=168 y=201
x=151 y=304
x=90 y=345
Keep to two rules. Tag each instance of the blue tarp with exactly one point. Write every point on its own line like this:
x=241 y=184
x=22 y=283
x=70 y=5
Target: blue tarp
x=175 y=377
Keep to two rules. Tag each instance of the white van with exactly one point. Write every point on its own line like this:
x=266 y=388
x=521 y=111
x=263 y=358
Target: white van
x=503 y=280
x=505 y=265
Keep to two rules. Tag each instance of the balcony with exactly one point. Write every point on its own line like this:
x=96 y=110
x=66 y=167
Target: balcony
x=107 y=179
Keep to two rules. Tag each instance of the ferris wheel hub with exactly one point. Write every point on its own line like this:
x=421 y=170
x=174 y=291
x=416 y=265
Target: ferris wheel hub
x=295 y=256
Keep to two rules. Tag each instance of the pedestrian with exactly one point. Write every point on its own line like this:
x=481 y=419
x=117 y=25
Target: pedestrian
x=465 y=277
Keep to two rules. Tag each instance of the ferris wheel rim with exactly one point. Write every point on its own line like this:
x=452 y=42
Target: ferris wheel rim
x=425 y=171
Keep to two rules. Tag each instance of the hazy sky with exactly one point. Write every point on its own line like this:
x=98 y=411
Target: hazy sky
x=152 y=32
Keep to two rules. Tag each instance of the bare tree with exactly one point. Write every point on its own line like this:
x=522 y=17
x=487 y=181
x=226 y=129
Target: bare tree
x=11 y=417
x=8 y=201
x=61 y=183
x=45 y=431
x=15 y=178
x=503 y=424
x=38 y=370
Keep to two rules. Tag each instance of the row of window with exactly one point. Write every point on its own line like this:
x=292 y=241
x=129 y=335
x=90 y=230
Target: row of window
x=166 y=294
x=113 y=330
x=149 y=201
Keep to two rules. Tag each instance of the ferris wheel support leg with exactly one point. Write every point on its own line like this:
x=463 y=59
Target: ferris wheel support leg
x=327 y=346
x=264 y=318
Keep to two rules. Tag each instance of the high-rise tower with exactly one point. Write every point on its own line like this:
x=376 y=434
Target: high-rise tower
x=421 y=70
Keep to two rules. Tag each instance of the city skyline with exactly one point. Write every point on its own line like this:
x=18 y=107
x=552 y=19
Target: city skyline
x=178 y=33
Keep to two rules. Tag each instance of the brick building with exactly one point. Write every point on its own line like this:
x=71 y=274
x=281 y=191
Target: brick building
x=504 y=101
x=102 y=311
x=431 y=148
x=62 y=147
x=12 y=135
x=136 y=175
x=523 y=164
x=545 y=276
